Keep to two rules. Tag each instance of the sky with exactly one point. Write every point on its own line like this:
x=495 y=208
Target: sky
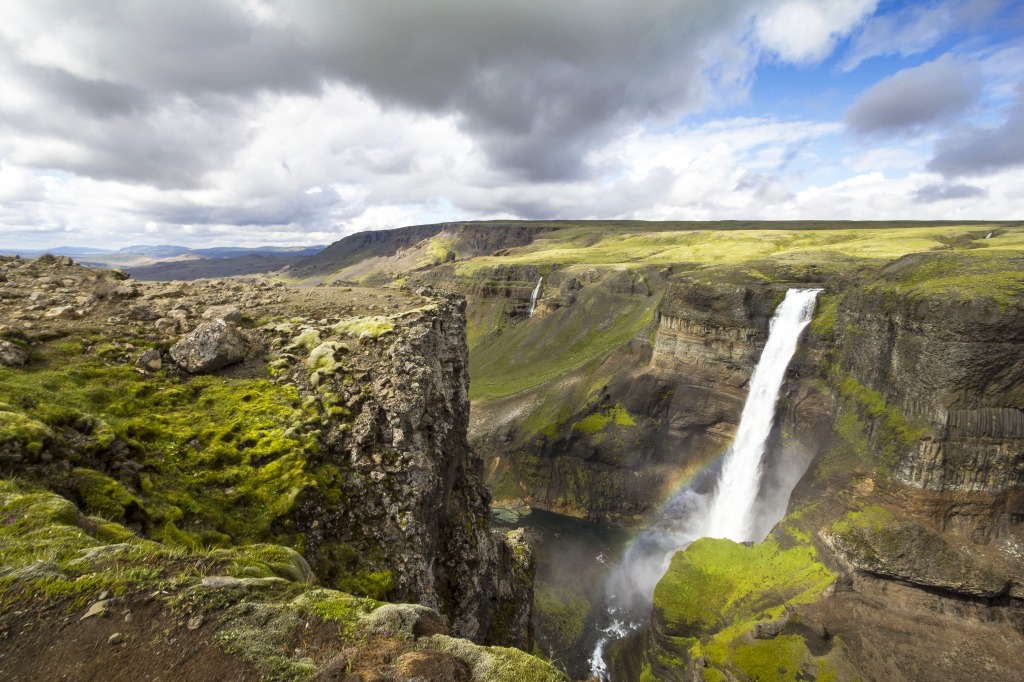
x=252 y=122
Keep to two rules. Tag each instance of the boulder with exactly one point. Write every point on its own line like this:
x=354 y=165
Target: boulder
x=149 y=360
x=228 y=313
x=143 y=313
x=64 y=312
x=13 y=355
x=209 y=347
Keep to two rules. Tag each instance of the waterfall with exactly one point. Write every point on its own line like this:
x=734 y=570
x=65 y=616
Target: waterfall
x=730 y=513
x=534 y=296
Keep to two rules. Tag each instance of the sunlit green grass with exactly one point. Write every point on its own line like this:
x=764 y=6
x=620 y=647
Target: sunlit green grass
x=595 y=245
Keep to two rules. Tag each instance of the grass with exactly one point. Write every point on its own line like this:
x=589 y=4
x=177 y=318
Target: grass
x=724 y=243
x=716 y=584
x=537 y=350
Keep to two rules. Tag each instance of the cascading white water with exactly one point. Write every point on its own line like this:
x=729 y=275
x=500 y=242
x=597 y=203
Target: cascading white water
x=729 y=515
x=534 y=296
x=729 y=512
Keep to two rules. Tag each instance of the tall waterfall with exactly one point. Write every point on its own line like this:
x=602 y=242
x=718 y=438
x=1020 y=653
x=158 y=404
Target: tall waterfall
x=534 y=296
x=730 y=513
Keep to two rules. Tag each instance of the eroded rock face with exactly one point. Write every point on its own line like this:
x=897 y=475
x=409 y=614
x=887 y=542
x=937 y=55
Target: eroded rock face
x=415 y=503
x=955 y=366
x=210 y=347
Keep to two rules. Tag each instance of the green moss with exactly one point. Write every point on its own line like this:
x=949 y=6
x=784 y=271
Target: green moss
x=871 y=429
x=259 y=633
x=715 y=584
x=873 y=519
x=30 y=433
x=824 y=321
x=221 y=456
x=995 y=274
x=365 y=327
x=495 y=664
x=768 y=660
x=374 y=584
x=598 y=421
x=102 y=495
x=325 y=356
x=560 y=615
x=307 y=340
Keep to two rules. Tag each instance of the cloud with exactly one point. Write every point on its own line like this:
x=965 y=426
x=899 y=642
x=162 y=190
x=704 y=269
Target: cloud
x=807 y=30
x=930 y=194
x=975 y=150
x=537 y=84
x=254 y=121
x=913 y=98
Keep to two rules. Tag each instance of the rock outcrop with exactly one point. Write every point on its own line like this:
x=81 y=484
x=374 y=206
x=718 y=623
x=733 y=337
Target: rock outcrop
x=211 y=346
x=337 y=427
x=414 y=501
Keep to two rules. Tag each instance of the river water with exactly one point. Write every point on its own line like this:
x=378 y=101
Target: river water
x=574 y=559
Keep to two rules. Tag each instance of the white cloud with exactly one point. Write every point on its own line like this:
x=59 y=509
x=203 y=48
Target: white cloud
x=807 y=30
x=255 y=121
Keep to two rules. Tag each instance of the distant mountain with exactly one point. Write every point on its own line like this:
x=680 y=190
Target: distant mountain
x=172 y=262
x=57 y=251
x=162 y=251
x=155 y=251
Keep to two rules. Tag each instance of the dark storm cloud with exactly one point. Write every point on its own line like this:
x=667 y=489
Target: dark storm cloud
x=913 y=98
x=973 y=150
x=537 y=84
x=929 y=194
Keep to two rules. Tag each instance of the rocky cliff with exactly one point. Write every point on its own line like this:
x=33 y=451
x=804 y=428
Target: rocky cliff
x=900 y=555
x=252 y=432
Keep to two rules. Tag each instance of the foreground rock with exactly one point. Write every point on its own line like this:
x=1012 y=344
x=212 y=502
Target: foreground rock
x=13 y=355
x=210 y=347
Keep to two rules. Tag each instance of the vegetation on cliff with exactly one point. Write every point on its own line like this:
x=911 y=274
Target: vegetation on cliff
x=131 y=481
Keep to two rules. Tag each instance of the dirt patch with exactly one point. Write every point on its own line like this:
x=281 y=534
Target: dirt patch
x=47 y=645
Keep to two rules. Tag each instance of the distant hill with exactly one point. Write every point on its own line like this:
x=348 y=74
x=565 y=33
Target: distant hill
x=173 y=262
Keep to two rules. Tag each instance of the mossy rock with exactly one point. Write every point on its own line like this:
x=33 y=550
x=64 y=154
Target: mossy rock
x=103 y=496
x=874 y=540
x=365 y=327
x=32 y=434
x=495 y=664
x=714 y=584
x=265 y=561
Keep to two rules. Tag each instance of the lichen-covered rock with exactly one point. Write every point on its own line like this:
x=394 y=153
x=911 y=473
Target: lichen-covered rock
x=210 y=347
x=13 y=355
x=149 y=360
x=228 y=313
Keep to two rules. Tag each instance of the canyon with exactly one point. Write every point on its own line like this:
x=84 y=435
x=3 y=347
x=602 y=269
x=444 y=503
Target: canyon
x=401 y=383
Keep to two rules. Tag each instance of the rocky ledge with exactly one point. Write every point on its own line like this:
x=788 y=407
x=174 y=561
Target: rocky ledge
x=191 y=439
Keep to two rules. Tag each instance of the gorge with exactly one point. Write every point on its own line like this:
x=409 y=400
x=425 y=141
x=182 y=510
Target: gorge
x=400 y=383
